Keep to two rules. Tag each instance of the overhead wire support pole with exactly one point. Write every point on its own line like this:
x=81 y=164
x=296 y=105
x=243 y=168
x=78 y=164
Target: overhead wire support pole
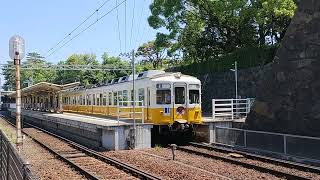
x=134 y=97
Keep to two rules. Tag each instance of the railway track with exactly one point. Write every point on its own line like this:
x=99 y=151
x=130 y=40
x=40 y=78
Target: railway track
x=289 y=164
x=88 y=162
x=257 y=166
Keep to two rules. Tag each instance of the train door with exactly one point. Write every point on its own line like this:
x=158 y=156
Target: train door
x=147 y=104
x=180 y=103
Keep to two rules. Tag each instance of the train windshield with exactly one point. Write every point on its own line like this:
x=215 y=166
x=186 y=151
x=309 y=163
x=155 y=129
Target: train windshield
x=179 y=95
x=194 y=96
x=164 y=96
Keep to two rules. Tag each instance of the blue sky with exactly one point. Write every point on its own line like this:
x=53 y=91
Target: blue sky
x=44 y=23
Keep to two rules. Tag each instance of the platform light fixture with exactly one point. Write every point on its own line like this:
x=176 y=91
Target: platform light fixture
x=17 y=52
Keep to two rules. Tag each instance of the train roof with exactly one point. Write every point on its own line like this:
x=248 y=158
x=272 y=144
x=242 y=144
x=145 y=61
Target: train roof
x=151 y=74
x=178 y=76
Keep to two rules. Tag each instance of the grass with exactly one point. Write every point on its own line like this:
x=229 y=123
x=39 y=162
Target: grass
x=157 y=147
x=8 y=132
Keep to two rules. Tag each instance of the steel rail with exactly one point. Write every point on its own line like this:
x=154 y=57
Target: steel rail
x=289 y=164
x=243 y=164
x=61 y=157
x=120 y=165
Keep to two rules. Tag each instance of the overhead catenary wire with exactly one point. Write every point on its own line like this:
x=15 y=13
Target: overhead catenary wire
x=132 y=21
x=118 y=26
x=77 y=27
x=139 y=34
x=104 y=15
x=125 y=26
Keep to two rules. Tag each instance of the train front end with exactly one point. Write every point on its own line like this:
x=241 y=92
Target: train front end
x=177 y=103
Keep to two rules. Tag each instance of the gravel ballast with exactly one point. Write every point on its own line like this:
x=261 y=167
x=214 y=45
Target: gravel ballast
x=42 y=163
x=186 y=166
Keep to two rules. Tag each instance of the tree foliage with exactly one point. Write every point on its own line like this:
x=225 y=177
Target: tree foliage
x=29 y=77
x=207 y=29
x=150 y=52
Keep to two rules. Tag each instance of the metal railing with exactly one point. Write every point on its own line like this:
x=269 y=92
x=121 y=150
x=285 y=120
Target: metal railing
x=125 y=110
x=231 y=108
x=12 y=167
x=276 y=143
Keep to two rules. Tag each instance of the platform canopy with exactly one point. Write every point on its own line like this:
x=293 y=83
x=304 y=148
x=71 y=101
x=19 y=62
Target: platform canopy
x=45 y=88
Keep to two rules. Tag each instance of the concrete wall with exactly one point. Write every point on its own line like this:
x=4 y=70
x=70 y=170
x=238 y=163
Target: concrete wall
x=222 y=85
x=206 y=132
x=109 y=137
x=81 y=136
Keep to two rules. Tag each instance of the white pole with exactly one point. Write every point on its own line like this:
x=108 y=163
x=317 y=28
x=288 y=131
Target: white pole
x=236 y=89
x=236 y=77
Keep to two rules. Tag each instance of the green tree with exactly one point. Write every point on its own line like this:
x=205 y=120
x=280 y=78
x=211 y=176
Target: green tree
x=37 y=75
x=207 y=29
x=116 y=62
x=85 y=77
x=29 y=76
x=152 y=53
x=273 y=18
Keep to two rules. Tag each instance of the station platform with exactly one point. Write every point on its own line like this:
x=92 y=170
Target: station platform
x=97 y=132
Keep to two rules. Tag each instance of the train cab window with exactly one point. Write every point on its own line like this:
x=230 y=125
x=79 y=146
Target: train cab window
x=115 y=99
x=141 y=96
x=194 y=96
x=179 y=94
x=125 y=97
x=110 y=98
x=163 y=96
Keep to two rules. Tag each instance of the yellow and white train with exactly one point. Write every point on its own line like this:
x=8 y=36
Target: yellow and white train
x=170 y=100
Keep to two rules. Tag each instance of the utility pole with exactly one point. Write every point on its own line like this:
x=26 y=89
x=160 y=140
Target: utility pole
x=16 y=52
x=134 y=96
x=236 y=77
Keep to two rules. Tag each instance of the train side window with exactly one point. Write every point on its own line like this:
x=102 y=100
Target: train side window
x=104 y=99
x=110 y=98
x=89 y=99
x=141 y=96
x=98 y=99
x=93 y=99
x=131 y=96
x=120 y=98
x=125 y=97
x=115 y=99
x=164 y=96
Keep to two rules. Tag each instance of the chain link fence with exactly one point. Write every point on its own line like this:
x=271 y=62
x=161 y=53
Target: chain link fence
x=12 y=167
x=276 y=143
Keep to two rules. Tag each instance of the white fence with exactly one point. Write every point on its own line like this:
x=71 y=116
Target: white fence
x=275 y=143
x=231 y=108
x=125 y=110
